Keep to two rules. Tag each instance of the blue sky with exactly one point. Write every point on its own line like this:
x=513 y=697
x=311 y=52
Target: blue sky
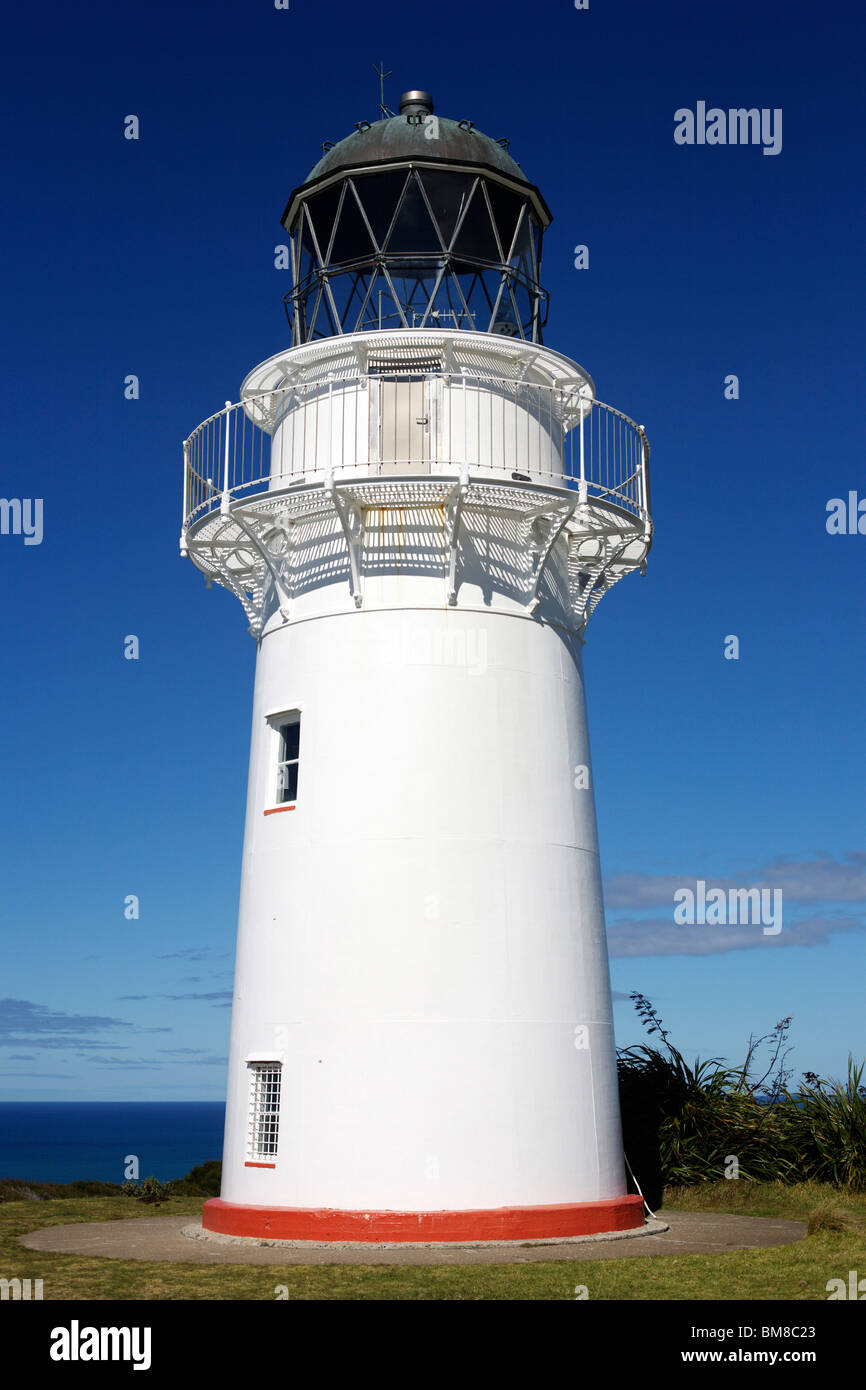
x=156 y=257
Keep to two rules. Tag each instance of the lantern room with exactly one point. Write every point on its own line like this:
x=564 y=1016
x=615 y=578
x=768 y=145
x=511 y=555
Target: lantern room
x=416 y=221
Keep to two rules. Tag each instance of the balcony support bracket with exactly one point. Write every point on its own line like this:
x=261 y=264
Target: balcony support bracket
x=453 y=513
x=544 y=527
x=351 y=516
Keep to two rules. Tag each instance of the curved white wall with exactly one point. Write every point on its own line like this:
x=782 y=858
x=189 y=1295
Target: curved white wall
x=421 y=937
x=345 y=426
x=487 y=402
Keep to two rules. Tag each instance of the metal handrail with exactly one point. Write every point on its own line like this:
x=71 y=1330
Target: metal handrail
x=548 y=434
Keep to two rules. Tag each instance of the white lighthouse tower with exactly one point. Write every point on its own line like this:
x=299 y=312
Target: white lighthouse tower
x=419 y=506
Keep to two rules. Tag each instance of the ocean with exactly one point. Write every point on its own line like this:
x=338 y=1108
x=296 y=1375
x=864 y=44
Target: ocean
x=61 y=1141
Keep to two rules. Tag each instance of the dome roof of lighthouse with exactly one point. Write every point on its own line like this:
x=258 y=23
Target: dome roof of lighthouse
x=406 y=138
x=396 y=138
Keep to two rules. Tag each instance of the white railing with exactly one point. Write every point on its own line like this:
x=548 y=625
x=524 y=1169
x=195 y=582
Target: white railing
x=370 y=426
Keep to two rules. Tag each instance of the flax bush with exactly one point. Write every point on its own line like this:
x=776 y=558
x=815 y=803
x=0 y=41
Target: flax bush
x=687 y=1124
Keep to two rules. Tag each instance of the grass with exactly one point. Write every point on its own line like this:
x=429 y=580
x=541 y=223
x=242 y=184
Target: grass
x=791 y=1201
x=835 y=1245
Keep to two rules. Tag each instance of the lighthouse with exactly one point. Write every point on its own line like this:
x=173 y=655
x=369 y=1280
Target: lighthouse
x=419 y=505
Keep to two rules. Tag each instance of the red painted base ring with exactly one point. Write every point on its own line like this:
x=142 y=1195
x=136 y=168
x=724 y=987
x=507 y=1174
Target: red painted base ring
x=500 y=1223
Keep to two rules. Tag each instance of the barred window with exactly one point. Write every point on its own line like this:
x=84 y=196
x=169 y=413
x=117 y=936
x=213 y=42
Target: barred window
x=264 y=1123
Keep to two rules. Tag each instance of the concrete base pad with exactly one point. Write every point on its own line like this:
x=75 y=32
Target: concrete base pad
x=196 y=1231
x=163 y=1238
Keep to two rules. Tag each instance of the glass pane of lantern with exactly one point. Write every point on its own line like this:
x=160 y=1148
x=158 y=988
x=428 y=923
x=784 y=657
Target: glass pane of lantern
x=507 y=320
x=522 y=246
x=522 y=300
x=413 y=229
x=476 y=302
x=341 y=287
x=379 y=194
x=325 y=325
x=476 y=237
x=349 y=291
x=322 y=210
x=446 y=308
x=381 y=310
x=309 y=304
x=414 y=290
x=351 y=239
x=480 y=289
x=355 y=305
x=446 y=194
x=444 y=301
x=506 y=210
x=524 y=276
x=536 y=244
x=306 y=255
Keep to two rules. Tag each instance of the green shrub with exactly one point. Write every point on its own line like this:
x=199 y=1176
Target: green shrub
x=149 y=1190
x=202 y=1181
x=683 y=1123
x=825 y=1123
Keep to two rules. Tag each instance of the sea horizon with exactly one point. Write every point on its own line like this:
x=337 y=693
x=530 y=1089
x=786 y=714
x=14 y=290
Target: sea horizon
x=87 y=1140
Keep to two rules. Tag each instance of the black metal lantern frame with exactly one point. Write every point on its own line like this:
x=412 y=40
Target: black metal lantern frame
x=415 y=246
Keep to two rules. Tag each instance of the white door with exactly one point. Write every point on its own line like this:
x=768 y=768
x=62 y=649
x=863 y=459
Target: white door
x=404 y=424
